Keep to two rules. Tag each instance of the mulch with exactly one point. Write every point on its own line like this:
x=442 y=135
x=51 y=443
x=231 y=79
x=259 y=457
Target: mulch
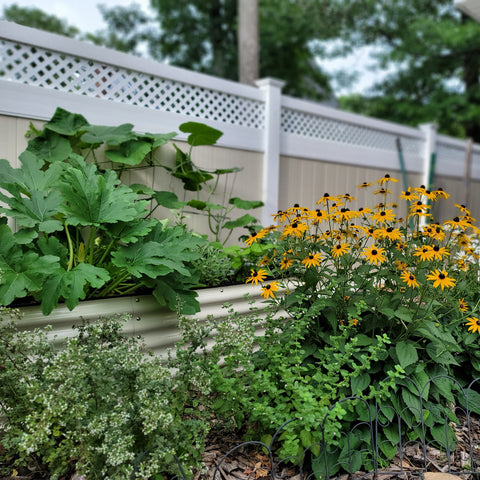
x=249 y=462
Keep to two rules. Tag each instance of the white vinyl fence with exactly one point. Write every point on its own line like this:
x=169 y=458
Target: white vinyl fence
x=291 y=149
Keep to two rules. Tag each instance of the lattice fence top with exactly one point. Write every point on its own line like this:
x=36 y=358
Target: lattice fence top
x=323 y=128
x=43 y=68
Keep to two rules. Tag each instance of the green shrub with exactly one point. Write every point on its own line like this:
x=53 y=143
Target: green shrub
x=94 y=406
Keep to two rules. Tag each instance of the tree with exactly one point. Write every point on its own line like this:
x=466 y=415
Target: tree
x=127 y=29
x=202 y=35
x=36 y=18
x=436 y=51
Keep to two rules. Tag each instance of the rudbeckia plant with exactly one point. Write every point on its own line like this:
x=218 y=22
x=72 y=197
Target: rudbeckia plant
x=412 y=278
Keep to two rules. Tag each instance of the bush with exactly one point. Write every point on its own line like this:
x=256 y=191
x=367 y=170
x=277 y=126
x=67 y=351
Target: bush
x=95 y=406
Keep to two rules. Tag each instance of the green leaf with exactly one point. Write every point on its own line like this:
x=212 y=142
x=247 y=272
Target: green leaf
x=200 y=134
x=132 y=152
x=146 y=259
x=245 y=204
x=192 y=179
x=445 y=436
x=94 y=199
x=473 y=398
x=50 y=147
x=159 y=139
x=412 y=402
x=439 y=352
x=406 y=353
x=360 y=383
x=66 y=123
x=198 y=204
x=240 y=222
x=130 y=232
x=98 y=134
x=167 y=292
x=168 y=200
x=74 y=282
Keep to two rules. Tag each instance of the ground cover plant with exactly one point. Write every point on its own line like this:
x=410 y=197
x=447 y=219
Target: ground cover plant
x=100 y=406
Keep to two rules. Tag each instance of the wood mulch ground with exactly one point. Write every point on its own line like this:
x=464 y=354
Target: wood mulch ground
x=249 y=463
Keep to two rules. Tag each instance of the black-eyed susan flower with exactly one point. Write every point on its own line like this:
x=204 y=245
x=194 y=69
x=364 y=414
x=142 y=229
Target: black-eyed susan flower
x=439 y=234
x=425 y=253
x=383 y=216
x=463 y=305
x=462 y=264
x=408 y=195
x=281 y=216
x=254 y=237
x=440 y=193
x=473 y=324
x=400 y=265
x=270 y=289
x=318 y=216
x=364 y=185
x=441 y=279
x=257 y=276
x=463 y=209
x=391 y=233
x=295 y=229
x=400 y=246
x=457 y=222
x=327 y=198
x=286 y=263
x=374 y=254
x=312 y=260
x=340 y=249
x=439 y=252
x=409 y=279
x=385 y=179
x=419 y=206
x=347 y=197
x=382 y=191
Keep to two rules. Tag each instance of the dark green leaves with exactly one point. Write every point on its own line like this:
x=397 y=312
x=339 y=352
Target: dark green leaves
x=200 y=134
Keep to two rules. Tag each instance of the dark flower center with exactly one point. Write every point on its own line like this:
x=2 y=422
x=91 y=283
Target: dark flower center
x=441 y=276
x=374 y=252
x=456 y=219
x=411 y=277
x=390 y=229
x=436 y=248
x=382 y=214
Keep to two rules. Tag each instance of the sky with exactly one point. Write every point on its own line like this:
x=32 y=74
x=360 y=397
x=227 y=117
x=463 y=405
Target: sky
x=85 y=15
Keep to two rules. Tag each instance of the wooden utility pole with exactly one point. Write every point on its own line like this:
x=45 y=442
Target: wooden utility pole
x=248 y=49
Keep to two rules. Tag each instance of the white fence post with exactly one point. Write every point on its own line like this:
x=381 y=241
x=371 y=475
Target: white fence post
x=429 y=158
x=429 y=154
x=272 y=89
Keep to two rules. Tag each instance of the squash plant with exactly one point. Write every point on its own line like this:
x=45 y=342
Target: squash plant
x=79 y=232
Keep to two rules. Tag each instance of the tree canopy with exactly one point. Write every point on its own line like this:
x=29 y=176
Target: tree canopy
x=436 y=54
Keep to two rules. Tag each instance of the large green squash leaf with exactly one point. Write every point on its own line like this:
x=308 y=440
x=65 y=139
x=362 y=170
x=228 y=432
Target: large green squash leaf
x=95 y=199
x=50 y=147
x=98 y=134
x=159 y=139
x=66 y=123
x=71 y=285
x=200 y=134
x=132 y=152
